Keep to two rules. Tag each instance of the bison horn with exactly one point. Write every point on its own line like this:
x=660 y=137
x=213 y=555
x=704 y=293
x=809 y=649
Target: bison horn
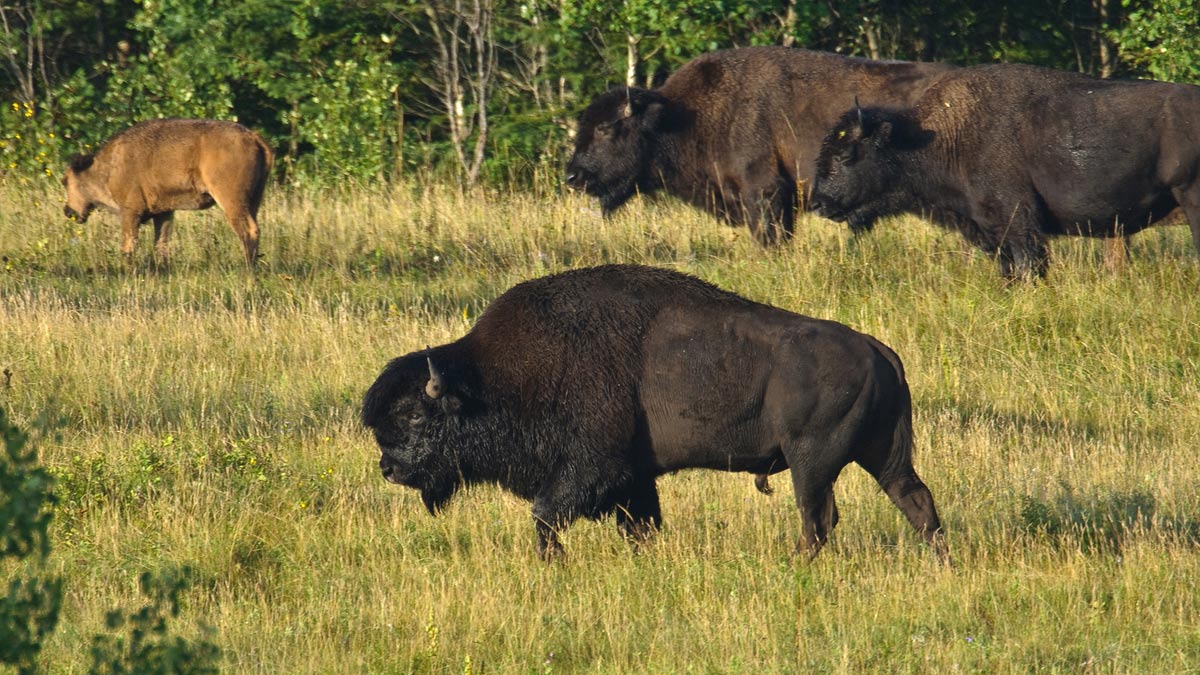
x=859 y=109
x=627 y=111
x=435 y=387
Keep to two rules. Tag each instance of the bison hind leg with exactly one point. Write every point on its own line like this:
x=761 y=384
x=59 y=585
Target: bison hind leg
x=914 y=500
x=241 y=216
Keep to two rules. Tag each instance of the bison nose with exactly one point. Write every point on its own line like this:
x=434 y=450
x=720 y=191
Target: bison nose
x=575 y=176
x=389 y=470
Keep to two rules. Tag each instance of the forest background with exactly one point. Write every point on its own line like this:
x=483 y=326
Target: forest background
x=210 y=424
x=480 y=90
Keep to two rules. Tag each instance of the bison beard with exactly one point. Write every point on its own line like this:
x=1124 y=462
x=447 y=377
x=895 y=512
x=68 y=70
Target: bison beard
x=578 y=390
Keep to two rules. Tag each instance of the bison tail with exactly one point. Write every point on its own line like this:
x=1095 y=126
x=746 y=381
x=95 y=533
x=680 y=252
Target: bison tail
x=899 y=460
x=268 y=155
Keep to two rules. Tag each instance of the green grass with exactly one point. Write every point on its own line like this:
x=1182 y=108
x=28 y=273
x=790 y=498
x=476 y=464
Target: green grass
x=212 y=422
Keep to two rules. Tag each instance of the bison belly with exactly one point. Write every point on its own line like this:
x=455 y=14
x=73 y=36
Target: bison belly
x=711 y=393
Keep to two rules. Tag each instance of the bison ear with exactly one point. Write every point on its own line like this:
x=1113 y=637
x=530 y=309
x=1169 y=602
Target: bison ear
x=80 y=163
x=649 y=108
x=452 y=404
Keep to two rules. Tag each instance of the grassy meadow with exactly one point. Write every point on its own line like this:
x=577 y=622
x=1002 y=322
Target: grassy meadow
x=212 y=422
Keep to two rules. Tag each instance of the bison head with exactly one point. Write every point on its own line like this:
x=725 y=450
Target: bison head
x=410 y=408
x=858 y=168
x=615 y=146
x=77 y=181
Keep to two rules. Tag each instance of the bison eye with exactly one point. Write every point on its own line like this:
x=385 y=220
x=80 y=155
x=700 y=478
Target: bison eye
x=416 y=417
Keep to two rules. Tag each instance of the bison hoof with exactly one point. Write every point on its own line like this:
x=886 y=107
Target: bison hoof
x=551 y=553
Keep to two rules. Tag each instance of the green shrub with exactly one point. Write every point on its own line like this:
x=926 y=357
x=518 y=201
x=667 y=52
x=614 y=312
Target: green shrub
x=29 y=609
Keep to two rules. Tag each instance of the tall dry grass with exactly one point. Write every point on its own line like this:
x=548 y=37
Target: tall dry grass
x=212 y=422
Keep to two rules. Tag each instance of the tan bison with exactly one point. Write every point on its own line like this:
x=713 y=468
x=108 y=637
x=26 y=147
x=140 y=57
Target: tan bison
x=157 y=167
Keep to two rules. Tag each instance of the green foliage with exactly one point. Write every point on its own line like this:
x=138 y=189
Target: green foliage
x=347 y=91
x=29 y=610
x=1164 y=39
x=179 y=71
x=140 y=643
x=350 y=116
x=28 y=144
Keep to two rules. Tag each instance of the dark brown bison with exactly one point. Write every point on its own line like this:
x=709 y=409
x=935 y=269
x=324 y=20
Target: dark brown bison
x=1010 y=154
x=155 y=168
x=578 y=390
x=735 y=132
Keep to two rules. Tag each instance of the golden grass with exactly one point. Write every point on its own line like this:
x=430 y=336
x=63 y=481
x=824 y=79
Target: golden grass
x=212 y=422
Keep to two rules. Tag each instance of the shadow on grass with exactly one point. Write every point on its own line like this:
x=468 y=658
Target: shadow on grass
x=1101 y=522
x=967 y=413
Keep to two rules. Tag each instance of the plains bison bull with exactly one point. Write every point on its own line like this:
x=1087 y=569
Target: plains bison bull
x=578 y=390
x=1009 y=154
x=734 y=132
x=155 y=168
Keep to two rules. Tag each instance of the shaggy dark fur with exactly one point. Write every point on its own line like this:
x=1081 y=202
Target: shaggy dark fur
x=1009 y=154
x=734 y=132
x=577 y=390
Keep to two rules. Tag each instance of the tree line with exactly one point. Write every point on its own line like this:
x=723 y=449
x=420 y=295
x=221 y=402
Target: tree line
x=481 y=90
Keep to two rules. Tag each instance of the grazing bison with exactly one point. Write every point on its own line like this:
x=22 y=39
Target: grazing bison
x=735 y=132
x=155 y=168
x=578 y=390
x=1009 y=154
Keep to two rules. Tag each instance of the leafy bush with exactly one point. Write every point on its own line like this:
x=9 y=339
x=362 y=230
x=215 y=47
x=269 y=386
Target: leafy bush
x=29 y=609
x=141 y=642
x=1164 y=38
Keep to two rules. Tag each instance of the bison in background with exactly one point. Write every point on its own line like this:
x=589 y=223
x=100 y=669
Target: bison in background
x=1010 y=154
x=578 y=390
x=735 y=132
x=157 y=167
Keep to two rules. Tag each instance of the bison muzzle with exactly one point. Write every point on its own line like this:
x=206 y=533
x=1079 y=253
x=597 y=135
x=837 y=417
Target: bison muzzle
x=578 y=390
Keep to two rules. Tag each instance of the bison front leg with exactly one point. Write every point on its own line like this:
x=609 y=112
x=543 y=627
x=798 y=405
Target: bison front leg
x=548 y=545
x=130 y=221
x=819 y=512
x=638 y=514
x=772 y=216
x=553 y=510
x=1023 y=257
